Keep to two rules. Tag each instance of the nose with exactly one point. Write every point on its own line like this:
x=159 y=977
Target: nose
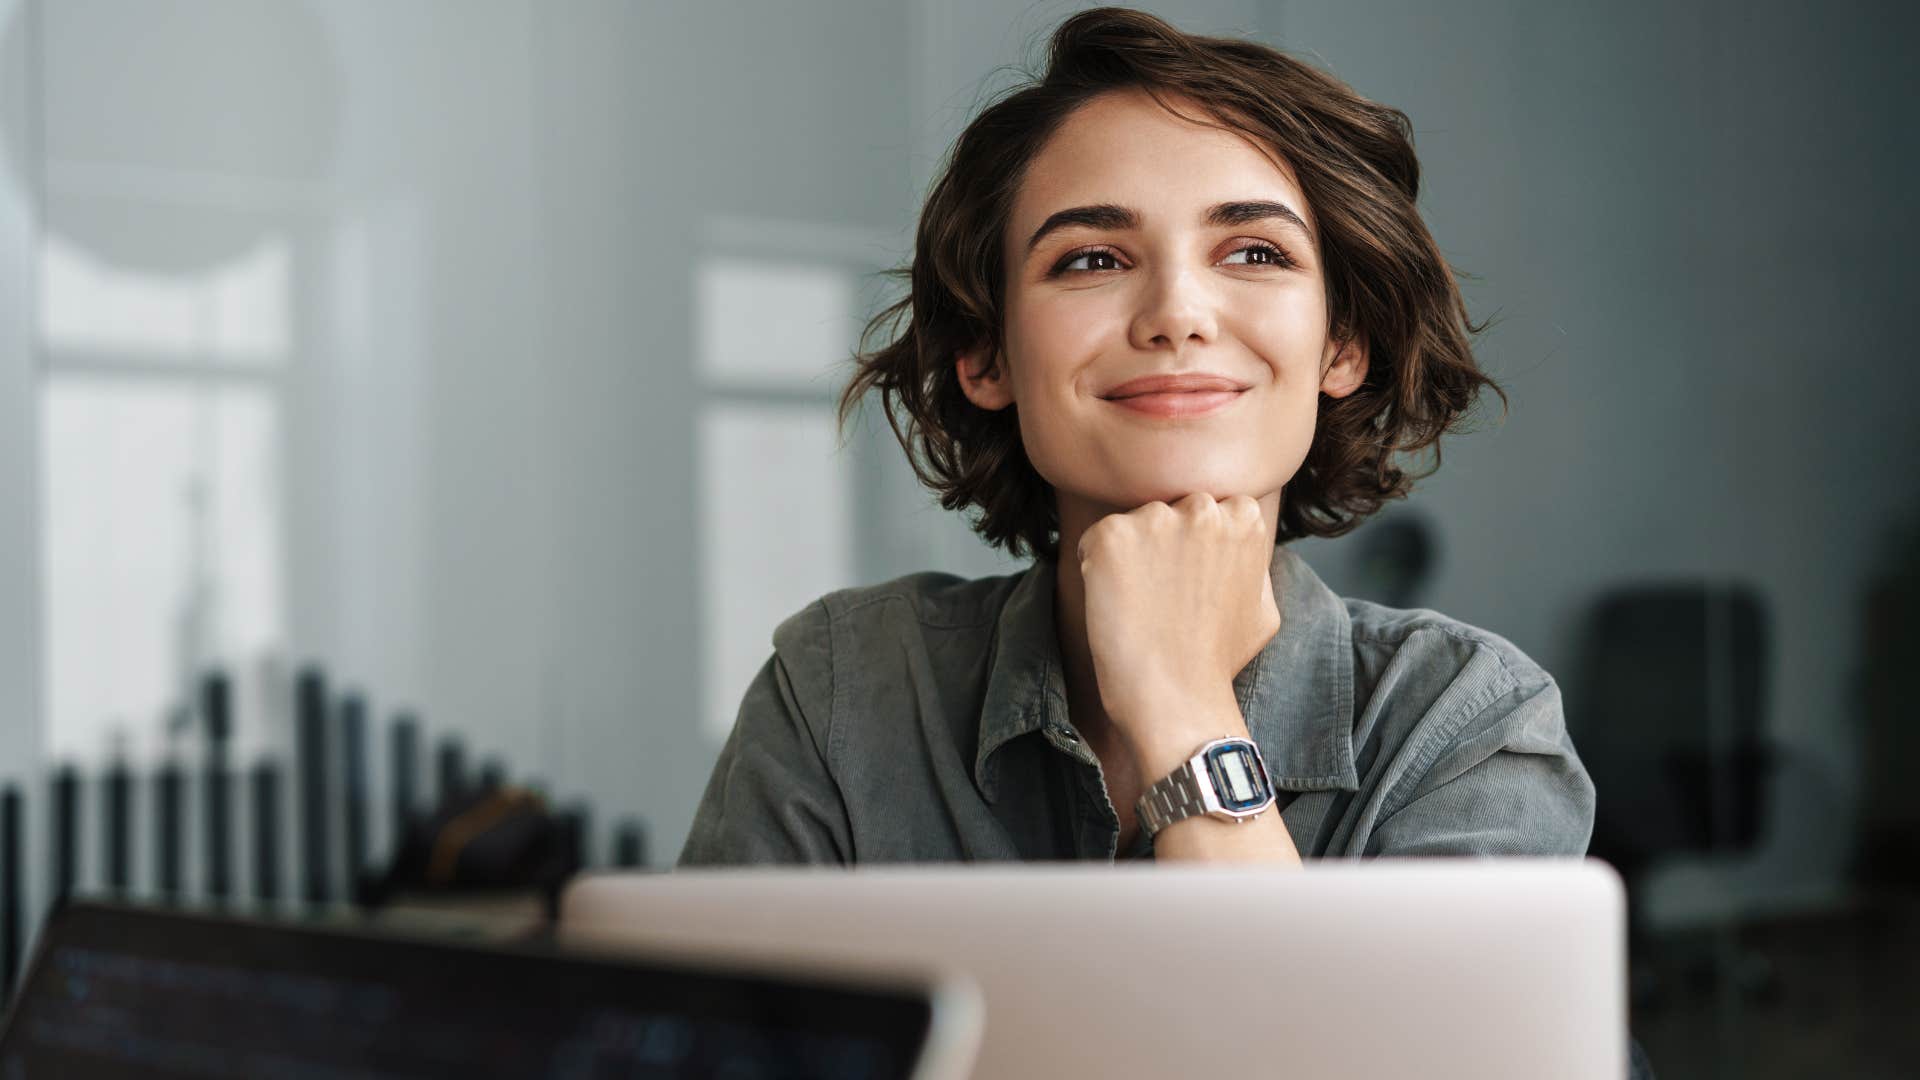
x=1176 y=312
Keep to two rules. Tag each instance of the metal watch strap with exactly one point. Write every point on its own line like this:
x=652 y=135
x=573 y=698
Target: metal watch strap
x=1174 y=797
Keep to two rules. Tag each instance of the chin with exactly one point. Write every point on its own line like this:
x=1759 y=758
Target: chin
x=1172 y=486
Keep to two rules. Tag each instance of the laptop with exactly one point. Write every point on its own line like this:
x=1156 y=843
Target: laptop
x=1429 y=967
x=117 y=991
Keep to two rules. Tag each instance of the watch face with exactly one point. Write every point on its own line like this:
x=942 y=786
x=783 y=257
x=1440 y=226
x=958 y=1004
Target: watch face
x=1238 y=777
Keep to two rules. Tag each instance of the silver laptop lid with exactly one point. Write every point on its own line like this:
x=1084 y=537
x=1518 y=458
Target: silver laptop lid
x=1383 y=968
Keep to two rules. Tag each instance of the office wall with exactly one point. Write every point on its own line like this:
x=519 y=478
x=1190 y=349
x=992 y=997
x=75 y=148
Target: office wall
x=1690 y=222
x=20 y=730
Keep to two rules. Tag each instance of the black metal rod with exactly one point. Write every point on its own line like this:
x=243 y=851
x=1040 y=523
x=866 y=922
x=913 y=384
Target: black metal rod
x=169 y=789
x=630 y=844
x=406 y=774
x=312 y=720
x=453 y=770
x=266 y=832
x=218 y=786
x=116 y=821
x=216 y=708
x=353 y=755
x=11 y=908
x=66 y=824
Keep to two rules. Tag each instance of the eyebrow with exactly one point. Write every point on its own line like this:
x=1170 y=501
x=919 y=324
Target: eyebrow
x=1111 y=217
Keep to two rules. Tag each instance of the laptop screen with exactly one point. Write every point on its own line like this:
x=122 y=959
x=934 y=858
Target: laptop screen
x=123 y=991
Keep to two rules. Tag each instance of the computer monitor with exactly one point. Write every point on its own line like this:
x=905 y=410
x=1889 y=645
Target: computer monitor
x=124 y=991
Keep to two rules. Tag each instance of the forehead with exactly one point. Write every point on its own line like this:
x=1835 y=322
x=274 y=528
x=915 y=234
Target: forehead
x=1124 y=147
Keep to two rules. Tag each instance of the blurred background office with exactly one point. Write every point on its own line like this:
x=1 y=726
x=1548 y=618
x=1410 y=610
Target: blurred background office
x=481 y=354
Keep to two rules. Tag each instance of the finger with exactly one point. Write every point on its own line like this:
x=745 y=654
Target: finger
x=1153 y=509
x=1242 y=510
x=1195 y=501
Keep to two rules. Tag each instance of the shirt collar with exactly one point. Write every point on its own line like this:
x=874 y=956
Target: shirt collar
x=1296 y=694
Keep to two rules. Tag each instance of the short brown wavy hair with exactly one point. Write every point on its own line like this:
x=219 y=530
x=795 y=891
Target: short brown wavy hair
x=1385 y=278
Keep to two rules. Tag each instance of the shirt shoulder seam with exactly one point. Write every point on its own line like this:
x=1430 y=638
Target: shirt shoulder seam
x=1448 y=728
x=1481 y=641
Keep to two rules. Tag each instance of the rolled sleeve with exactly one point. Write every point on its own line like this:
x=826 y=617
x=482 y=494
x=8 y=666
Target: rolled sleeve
x=772 y=797
x=1505 y=781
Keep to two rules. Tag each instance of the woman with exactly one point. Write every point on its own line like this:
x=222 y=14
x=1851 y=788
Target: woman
x=1170 y=307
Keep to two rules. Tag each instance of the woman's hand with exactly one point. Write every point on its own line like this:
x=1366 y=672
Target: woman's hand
x=1178 y=600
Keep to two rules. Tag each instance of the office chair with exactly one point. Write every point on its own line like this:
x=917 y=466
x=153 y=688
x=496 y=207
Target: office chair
x=1671 y=726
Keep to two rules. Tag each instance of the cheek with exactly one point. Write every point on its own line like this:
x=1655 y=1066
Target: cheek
x=1050 y=342
x=1287 y=424
x=1289 y=333
x=1290 y=428
x=1065 y=326
x=1047 y=427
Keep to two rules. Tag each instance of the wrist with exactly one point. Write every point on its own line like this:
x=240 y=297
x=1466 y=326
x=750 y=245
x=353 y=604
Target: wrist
x=1163 y=730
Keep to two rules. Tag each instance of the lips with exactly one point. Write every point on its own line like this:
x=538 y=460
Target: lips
x=1176 y=396
x=1190 y=383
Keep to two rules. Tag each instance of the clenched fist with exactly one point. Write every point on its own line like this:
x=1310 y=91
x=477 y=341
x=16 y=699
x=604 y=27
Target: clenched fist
x=1178 y=600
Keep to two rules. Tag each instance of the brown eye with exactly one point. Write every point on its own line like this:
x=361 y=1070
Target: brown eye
x=1268 y=255
x=1062 y=267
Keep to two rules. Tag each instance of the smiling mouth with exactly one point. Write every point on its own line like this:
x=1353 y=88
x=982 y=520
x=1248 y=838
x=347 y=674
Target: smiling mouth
x=1177 y=403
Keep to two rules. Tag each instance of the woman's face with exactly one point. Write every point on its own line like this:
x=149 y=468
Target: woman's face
x=1144 y=245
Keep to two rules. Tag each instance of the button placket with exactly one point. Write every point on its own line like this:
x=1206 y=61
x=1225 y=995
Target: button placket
x=1099 y=823
x=1065 y=741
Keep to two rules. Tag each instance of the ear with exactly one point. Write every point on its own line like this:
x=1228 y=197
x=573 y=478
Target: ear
x=1345 y=368
x=984 y=379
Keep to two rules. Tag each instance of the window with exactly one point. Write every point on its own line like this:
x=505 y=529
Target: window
x=162 y=472
x=778 y=309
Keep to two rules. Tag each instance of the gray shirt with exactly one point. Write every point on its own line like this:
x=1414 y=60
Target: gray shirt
x=926 y=719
